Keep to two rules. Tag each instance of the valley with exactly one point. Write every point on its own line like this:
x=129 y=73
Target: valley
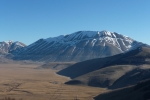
x=74 y=50
x=26 y=81
x=80 y=66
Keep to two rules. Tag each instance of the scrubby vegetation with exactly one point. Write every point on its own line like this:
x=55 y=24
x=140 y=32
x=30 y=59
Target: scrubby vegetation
x=8 y=98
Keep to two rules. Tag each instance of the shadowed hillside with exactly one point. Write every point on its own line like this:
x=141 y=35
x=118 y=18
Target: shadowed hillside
x=141 y=91
x=111 y=72
x=84 y=67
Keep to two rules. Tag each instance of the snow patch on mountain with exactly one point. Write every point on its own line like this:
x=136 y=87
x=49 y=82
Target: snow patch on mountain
x=8 y=46
x=81 y=45
x=73 y=39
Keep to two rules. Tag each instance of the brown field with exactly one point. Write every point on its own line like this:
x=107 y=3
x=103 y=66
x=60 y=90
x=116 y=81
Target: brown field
x=26 y=82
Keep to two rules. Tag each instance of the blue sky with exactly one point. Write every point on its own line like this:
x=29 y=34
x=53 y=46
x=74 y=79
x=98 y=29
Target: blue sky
x=30 y=20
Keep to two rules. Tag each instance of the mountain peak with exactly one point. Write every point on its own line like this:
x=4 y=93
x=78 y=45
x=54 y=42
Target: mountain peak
x=8 y=46
x=78 y=46
x=8 y=42
x=79 y=35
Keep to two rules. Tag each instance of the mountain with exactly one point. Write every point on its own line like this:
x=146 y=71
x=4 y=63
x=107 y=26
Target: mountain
x=111 y=72
x=10 y=46
x=78 y=46
x=141 y=91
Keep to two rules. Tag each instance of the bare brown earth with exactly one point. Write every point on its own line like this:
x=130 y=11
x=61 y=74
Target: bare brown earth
x=56 y=65
x=29 y=83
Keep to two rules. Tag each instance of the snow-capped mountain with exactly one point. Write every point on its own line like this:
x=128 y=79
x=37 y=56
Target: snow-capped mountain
x=78 y=46
x=9 y=46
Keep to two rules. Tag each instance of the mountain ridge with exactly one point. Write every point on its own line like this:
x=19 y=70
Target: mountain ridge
x=78 y=46
x=9 y=46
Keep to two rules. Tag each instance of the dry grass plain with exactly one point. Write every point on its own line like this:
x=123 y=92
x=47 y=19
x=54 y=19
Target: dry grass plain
x=26 y=82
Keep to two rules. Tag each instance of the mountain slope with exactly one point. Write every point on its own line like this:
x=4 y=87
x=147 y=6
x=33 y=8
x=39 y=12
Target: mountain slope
x=141 y=91
x=9 y=46
x=79 y=46
x=112 y=72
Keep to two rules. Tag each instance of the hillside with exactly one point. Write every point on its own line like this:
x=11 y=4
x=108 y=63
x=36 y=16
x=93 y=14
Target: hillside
x=111 y=72
x=141 y=91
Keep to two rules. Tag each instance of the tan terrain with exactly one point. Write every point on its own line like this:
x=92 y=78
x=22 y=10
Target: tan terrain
x=29 y=83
